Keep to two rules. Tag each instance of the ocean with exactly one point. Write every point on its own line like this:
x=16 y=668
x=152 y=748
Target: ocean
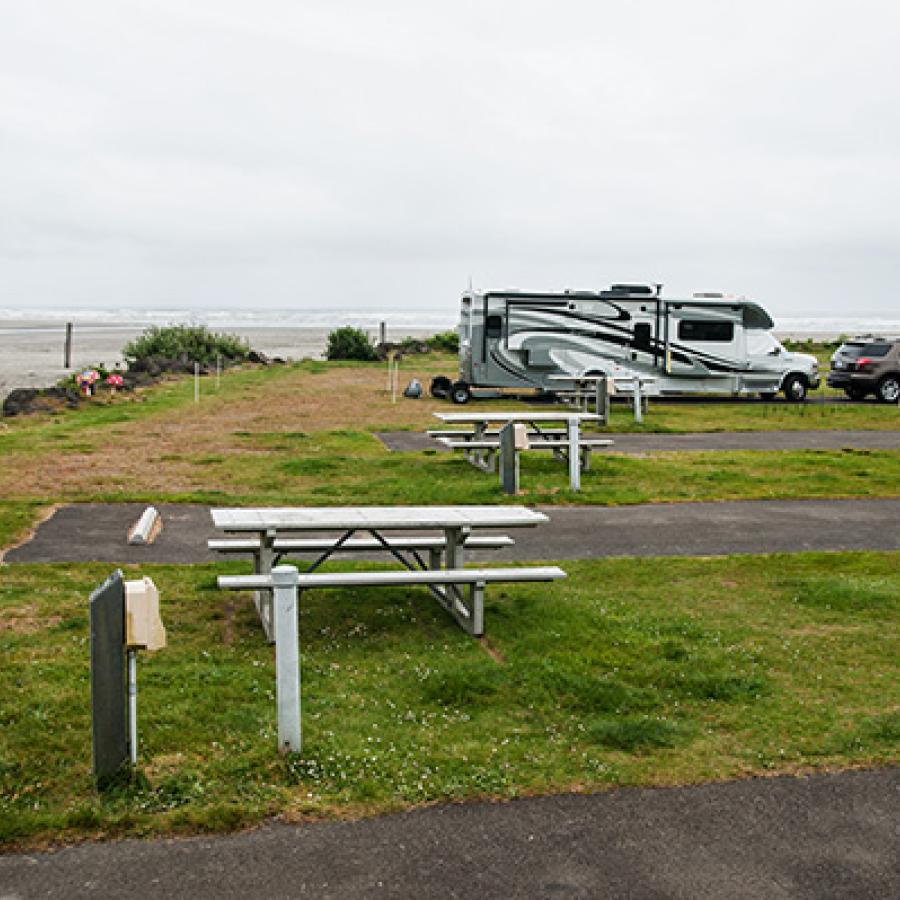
x=398 y=322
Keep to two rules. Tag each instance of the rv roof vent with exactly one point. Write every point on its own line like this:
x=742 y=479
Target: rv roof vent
x=632 y=289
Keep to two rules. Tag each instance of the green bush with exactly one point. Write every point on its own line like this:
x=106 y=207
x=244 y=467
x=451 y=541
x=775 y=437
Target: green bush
x=350 y=343
x=194 y=343
x=445 y=342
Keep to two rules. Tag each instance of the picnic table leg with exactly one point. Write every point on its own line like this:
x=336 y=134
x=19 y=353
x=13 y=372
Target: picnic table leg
x=264 y=559
x=454 y=559
x=287 y=658
x=574 y=454
x=477 y=620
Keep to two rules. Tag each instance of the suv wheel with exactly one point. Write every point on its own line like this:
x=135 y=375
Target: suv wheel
x=795 y=388
x=460 y=392
x=889 y=389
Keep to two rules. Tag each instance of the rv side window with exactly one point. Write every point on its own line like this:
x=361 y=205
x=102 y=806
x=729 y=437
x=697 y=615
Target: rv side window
x=494 y=326
x=705 y=330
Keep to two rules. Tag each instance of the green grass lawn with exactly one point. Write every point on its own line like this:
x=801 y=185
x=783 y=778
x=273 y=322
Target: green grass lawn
x=631 y=672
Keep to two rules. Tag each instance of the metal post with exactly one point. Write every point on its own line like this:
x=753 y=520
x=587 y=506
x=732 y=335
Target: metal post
x=382 y=333
x=67 y=355
x=287 y=658
x=574 y=454
x=132 y=706
x=218 y=370
x=638 y=403
x=196 y=382
x=509 y=459
x=603 y=400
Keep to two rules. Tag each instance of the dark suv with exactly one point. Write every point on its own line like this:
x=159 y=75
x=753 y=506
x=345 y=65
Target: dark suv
x=865 y=366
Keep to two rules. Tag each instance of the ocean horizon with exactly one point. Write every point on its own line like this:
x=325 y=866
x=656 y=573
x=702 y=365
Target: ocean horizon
x=396 y=320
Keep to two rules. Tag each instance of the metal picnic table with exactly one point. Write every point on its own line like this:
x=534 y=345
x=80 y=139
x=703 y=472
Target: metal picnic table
x=481 y=452
x=282 y=584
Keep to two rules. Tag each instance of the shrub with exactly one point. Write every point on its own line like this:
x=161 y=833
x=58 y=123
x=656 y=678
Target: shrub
x=445 y=342
x=350 y=343
x=193 y=343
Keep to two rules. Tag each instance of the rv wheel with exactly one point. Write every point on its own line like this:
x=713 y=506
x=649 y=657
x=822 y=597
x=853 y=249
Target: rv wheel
x=460 y=392
x=795 y=389
x=440 y=387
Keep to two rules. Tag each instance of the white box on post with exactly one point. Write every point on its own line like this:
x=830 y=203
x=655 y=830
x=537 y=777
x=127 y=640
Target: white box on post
x=144 y=629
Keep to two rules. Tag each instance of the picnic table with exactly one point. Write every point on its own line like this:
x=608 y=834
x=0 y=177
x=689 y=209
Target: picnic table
x=270 y=529
x=599 y=387
x=278 y=586
x=545 y=430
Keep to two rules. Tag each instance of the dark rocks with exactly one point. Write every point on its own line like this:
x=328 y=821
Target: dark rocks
x=24 y=401
x=261 y=359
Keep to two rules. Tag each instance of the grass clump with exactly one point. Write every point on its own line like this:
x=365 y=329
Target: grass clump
x=194 y=343
x=633 y=733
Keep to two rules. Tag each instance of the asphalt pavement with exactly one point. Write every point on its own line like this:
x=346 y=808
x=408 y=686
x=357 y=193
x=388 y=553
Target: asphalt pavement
x=97 y=532
x=416 y=441
x=821 y=837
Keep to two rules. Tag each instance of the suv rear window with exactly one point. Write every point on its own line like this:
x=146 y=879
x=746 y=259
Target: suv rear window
x=856 y=350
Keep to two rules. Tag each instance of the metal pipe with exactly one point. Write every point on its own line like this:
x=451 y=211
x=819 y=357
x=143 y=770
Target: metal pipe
x=132 y=705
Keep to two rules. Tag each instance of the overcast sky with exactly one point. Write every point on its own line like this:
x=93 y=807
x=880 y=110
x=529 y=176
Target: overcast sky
x=376 y=155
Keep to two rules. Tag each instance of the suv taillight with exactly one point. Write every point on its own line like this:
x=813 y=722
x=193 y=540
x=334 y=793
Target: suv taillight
x=863 y=363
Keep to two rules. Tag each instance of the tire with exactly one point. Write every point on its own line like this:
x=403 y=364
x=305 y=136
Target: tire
x=795 y=388
x=460 y=393
x=856 y=393
x=767 y=395
x=441 y=387
x=889 y=389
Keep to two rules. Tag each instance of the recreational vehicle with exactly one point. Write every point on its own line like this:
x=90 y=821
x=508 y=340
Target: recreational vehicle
x=709 y=343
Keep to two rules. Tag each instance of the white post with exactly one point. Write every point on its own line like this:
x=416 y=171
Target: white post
x=196 y=382
x=638 y=403
x=395 y=380
x=287 y=658
x=574 y=454
x=390 y=380
x=132 y=706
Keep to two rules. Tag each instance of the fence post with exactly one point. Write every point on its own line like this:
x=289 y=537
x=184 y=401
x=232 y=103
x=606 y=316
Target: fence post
x=287 y=658
x=574 y=454
x=67 y=361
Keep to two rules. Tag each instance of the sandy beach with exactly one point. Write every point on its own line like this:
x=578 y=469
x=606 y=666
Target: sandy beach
x=32 y=352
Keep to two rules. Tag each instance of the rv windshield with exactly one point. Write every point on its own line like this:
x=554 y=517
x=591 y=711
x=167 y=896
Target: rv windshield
x=761 y=343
